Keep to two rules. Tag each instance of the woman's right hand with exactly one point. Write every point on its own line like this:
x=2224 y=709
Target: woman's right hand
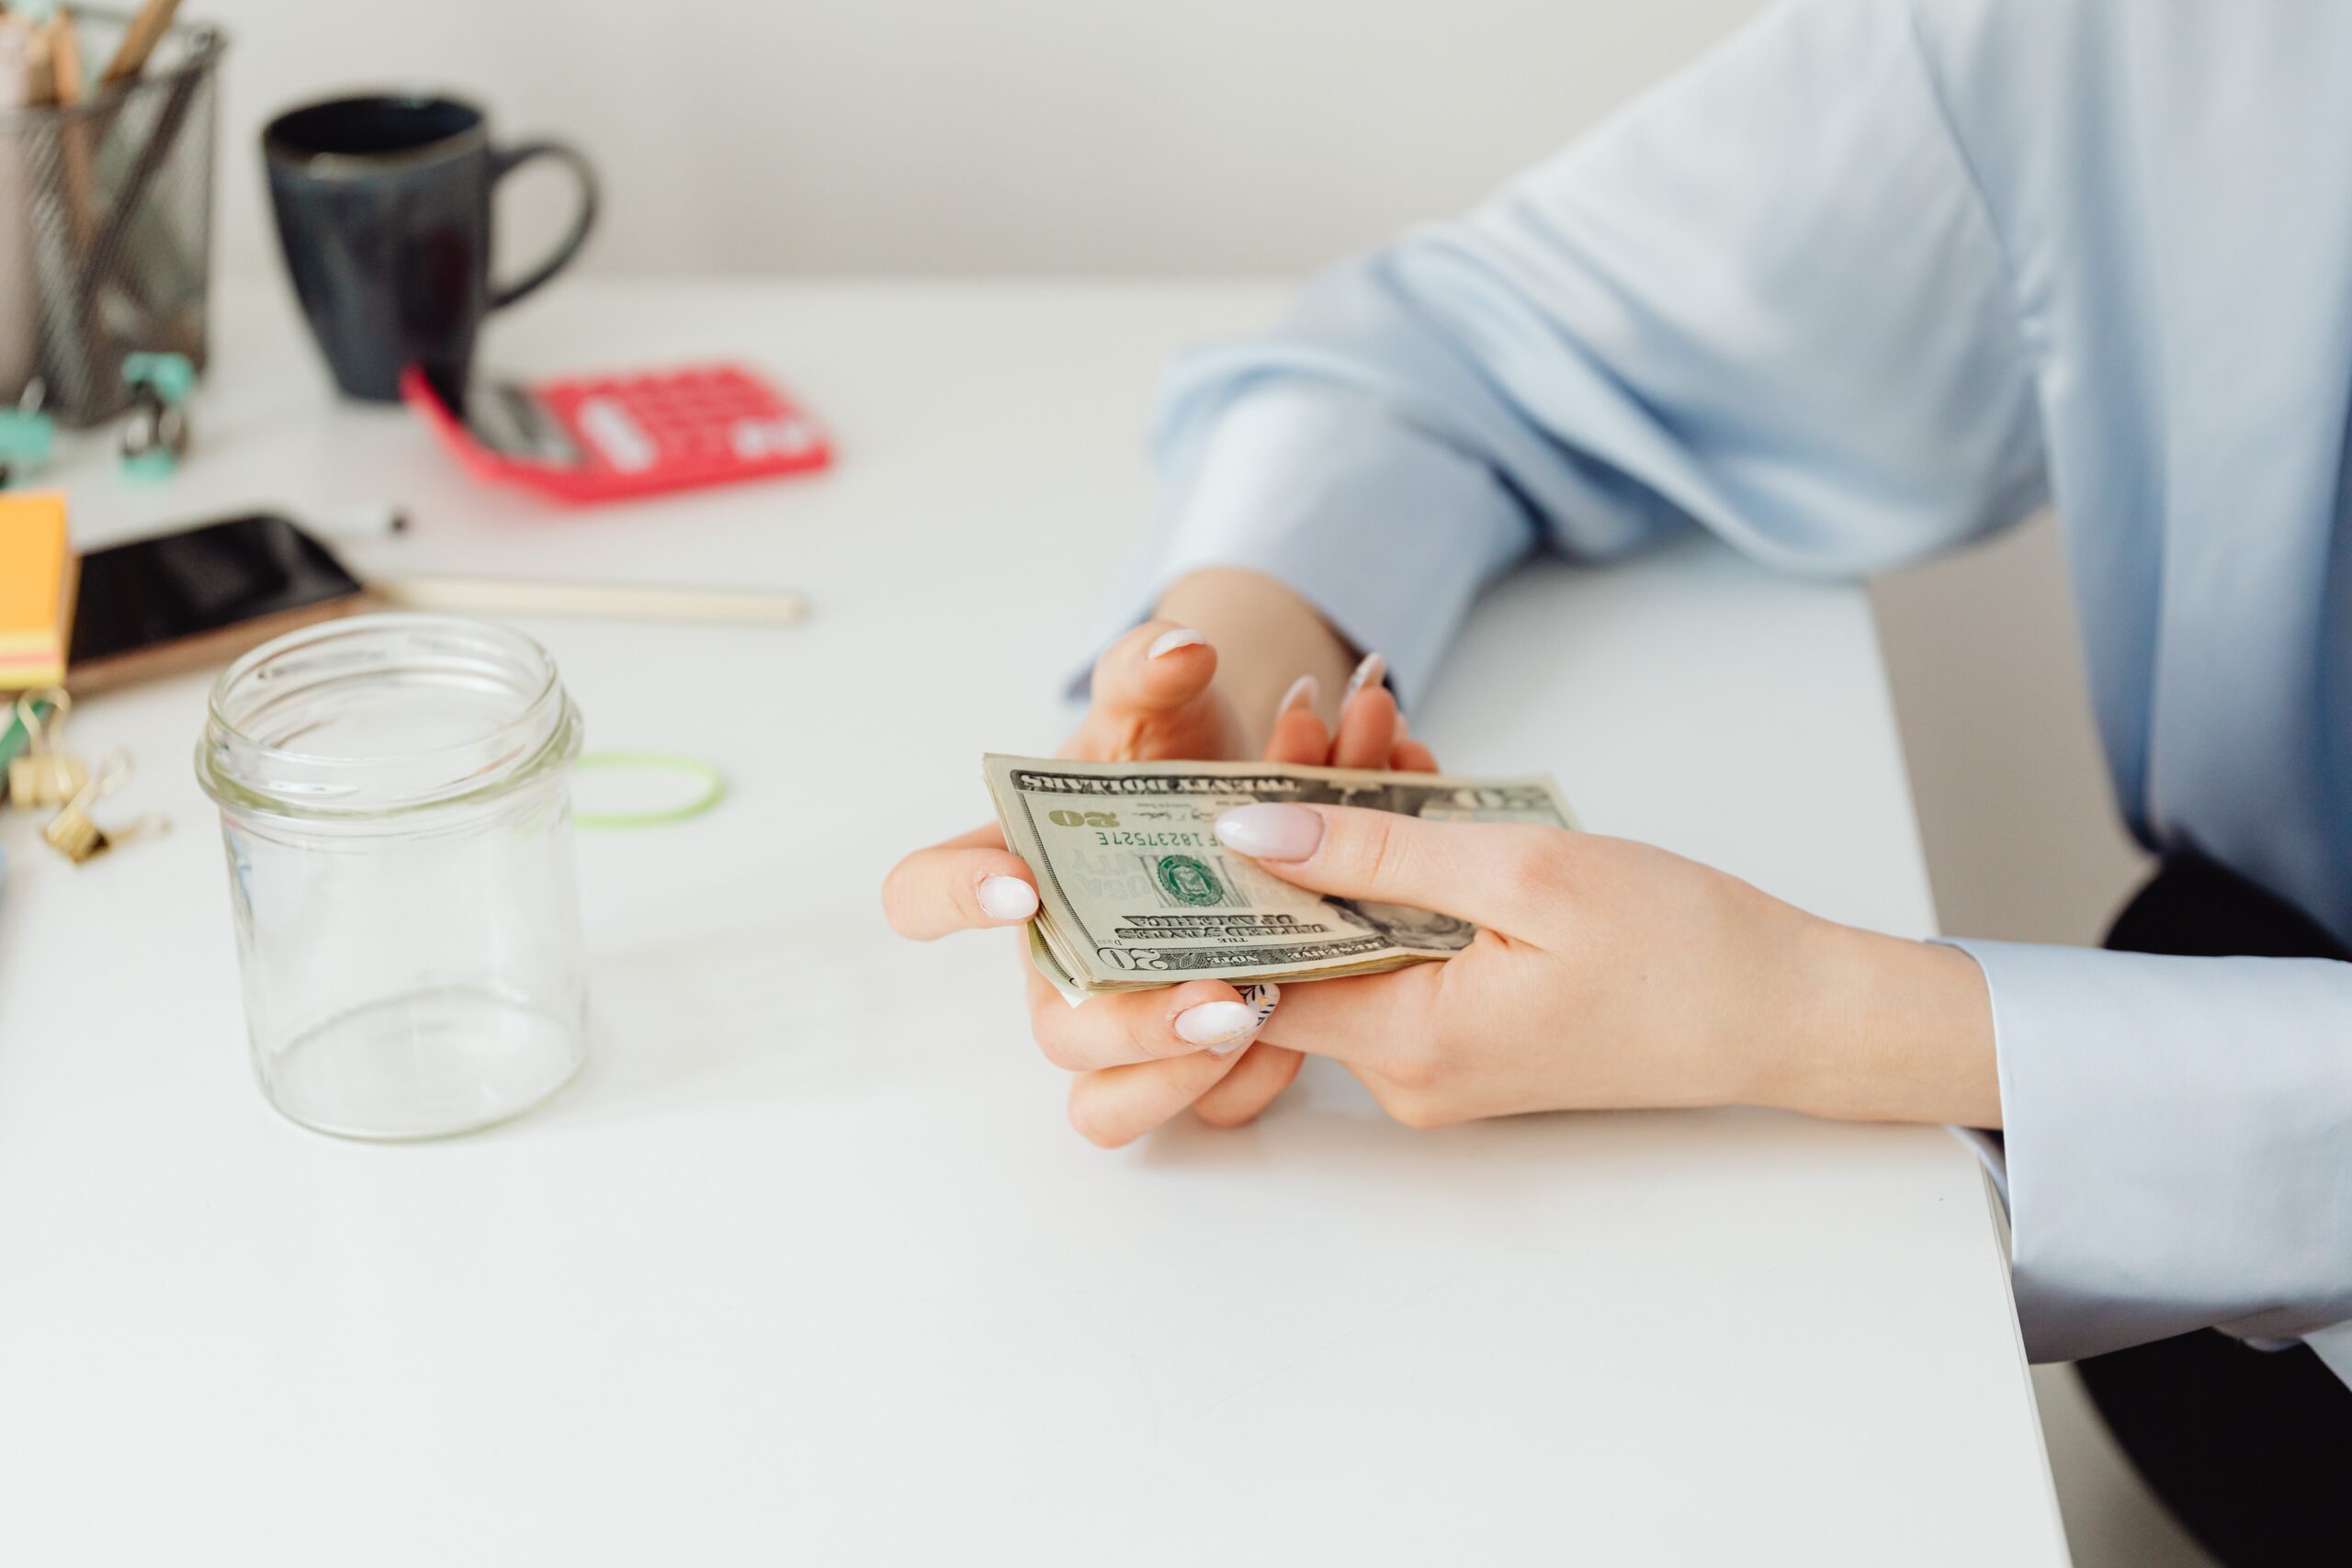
x=1117 y=1104
x=1153 y=698
x=1155 y=695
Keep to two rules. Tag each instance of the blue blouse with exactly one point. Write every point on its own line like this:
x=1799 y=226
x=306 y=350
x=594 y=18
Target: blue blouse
x=1869 y=281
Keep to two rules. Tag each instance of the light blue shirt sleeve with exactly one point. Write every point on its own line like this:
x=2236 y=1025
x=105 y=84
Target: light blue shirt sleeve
x=2178 y=1144
x=1765 y=300
x=1772 y=300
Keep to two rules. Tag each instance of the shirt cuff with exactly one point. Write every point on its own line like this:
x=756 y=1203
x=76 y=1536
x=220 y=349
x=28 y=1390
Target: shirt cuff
x=1386 y=529
x=2177 y=1144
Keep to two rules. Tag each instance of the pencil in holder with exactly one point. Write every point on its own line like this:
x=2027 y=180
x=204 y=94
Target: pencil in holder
x=105 y=214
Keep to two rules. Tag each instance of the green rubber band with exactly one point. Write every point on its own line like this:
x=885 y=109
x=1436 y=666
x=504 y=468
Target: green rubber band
x=714 y=790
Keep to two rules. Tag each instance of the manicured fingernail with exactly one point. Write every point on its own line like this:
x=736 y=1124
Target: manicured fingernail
x=1259 y=996
x=1007 y=899
x=1301 y=695
x=1169 y=642
x=1220 y=1026
x=1371 y=672
x=1270 y=832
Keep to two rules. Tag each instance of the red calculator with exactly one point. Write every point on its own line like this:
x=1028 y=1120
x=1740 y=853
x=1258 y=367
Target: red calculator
x=611 y=437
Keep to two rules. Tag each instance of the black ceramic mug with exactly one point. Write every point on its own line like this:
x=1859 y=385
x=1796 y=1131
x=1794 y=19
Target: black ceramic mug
x=383 y=208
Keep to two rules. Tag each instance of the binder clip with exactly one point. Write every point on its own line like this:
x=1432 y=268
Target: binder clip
x=44 y=775
x=154 y=436
x=74 y=834
x=25 y=434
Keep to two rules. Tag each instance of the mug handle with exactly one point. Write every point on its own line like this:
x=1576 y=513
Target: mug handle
x=505 y=162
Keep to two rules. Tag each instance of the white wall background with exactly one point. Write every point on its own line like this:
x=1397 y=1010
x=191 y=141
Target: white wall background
x=1214 y=136
x=1055 y=136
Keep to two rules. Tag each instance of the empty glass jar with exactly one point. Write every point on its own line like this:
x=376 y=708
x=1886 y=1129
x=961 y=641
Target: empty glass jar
x=395 y=799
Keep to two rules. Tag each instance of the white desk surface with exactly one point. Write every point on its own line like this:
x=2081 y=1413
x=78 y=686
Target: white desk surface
x=806 y=1267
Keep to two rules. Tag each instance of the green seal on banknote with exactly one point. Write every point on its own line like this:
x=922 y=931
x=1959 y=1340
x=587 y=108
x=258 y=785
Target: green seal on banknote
x=1189 y=882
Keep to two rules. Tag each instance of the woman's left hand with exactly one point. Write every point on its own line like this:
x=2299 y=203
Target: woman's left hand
x=1610 y=974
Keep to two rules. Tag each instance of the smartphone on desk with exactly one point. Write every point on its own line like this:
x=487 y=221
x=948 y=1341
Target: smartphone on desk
x=158 y=605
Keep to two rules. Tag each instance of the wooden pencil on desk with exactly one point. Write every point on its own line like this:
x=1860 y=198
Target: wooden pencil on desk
x=527 y=596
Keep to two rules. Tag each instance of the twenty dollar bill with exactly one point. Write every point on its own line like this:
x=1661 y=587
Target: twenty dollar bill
x=1134 y=890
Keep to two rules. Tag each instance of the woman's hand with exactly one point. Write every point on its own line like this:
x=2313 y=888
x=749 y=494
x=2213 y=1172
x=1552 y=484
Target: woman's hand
x=1610 y=974
x=1156 y=696
x=1158 y=692
x=1115 y=1105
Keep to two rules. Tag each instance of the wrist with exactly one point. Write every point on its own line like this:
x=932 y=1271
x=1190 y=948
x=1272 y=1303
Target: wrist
x=1886 y=1029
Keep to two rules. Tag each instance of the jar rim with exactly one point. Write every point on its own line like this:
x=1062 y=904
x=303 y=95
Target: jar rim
x=238 y=768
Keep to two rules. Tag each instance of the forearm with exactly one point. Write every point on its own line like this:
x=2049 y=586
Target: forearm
x=1862 y=1027
x=1266 y=636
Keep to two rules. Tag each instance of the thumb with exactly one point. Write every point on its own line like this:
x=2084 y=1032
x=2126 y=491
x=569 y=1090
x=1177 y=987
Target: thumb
x=1157 y=668
x=1483 y=872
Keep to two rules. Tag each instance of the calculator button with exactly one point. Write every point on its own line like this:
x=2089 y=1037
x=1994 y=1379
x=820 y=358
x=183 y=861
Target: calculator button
x=620 y=440
x=754 y=439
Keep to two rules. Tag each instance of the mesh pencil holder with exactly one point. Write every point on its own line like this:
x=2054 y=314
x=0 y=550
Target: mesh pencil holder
x=106 y=220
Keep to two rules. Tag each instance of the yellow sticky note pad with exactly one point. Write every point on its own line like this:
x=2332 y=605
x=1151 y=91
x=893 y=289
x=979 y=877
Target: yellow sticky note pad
x=37 y=575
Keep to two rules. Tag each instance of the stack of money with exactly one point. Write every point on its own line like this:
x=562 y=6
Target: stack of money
x=1135 y=891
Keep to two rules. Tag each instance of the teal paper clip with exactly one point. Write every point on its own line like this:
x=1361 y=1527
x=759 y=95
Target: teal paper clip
x=26 y=434
x=155 y=438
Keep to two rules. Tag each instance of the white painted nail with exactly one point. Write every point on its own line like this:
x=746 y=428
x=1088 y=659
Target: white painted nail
x=1220 y=1026
x=1259 y=996
x=1169 y=642
x=1007 y=899
x=1369 y=674
x=1275 y=830
x=1301 y=695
